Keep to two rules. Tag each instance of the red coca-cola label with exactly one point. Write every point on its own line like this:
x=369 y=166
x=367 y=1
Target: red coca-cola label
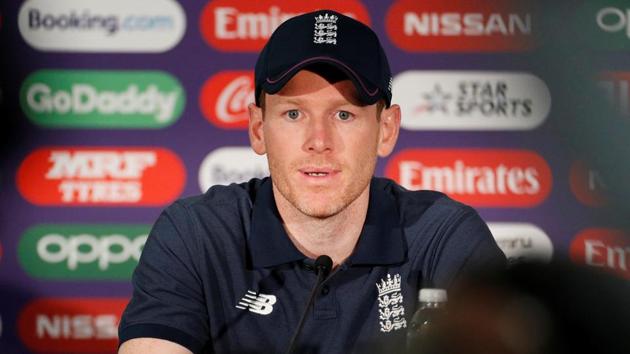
x=225 y=96
x=479 y=177
x=245 y=26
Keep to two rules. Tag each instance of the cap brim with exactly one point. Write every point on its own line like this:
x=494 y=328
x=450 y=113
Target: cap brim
x=368 y=93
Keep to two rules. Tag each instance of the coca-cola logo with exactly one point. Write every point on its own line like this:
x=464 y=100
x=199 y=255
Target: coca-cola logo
x=479 y=177
x=460 y=25
x=225 y=96
x=603 y=248
x=245 y=26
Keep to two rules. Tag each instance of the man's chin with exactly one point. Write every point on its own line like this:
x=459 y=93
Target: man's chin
x=320 y=211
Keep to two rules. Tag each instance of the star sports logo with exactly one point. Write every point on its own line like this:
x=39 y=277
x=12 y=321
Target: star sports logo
x=471 y=100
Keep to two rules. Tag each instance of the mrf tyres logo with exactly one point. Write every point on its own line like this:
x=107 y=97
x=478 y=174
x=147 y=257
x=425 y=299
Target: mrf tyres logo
x=245 y=26
x=231 y=165
x=224 y=98
x=102 y=99
x=607 y=249
x=71 y=325
x=461 y=26
x=98 y=252
x=471 y=100
x=102 y=26
x=101 y=176
x=479 y=177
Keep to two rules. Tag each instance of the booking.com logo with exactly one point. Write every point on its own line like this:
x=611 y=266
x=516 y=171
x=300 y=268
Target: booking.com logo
x=102 y=26
x=86 y=21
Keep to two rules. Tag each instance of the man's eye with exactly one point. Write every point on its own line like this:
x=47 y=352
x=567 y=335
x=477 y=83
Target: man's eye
x=293 y=114
x=344 y=115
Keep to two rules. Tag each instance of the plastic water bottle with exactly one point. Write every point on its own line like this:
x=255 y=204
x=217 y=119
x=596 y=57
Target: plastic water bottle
x=423 y=331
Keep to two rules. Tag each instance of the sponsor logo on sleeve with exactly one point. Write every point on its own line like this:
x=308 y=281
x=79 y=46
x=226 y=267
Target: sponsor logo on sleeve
x=616 y=88
x=587 y=184
x=471 y=100
x=603 y=248
x=101 y=176
x=231 y=165
x=245 y=26
x=224 y=99
x=71 y=325
x=102 y=26
x=98 y=252
x=478 y=177
x=102 y=99
x=522 y=242
x=460 y=26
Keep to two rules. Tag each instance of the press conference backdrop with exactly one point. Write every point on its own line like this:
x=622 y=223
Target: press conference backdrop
x=112 y=109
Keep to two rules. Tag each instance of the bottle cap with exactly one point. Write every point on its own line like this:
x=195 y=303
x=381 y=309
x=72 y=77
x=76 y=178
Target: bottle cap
x=432 y=295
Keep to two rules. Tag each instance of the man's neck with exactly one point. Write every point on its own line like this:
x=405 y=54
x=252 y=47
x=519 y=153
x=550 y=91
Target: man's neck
x=335 y=236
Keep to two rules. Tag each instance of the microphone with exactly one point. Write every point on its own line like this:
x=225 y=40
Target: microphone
x=323 y=264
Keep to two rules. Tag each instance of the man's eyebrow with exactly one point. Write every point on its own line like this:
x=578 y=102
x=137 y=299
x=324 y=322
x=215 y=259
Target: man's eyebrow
x=330 y=103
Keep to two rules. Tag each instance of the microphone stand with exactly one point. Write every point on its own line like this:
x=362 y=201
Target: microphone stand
x=323 y=264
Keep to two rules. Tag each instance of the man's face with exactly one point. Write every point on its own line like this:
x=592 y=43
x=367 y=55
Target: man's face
x=321 y=143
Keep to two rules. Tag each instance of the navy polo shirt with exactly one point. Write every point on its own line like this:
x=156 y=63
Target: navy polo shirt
x=219 y=273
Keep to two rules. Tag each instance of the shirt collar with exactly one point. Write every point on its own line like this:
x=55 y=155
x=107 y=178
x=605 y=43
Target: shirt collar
x=381 y=241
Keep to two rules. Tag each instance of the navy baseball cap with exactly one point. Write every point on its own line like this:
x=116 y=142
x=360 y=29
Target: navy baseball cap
x=325 y=36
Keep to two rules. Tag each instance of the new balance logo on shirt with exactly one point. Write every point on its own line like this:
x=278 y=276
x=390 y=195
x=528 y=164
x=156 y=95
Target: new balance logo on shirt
x=261 y=304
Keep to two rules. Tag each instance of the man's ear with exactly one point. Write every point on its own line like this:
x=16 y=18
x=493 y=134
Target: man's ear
x=390 y=125
x=255 y=129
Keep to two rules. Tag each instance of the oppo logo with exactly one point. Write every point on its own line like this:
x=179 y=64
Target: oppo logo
x=479 y=177
x=82 y=251
x=522 y=242
x=245 y=26
x=460 y=26
x=71 y=325
x=101 y=176
x=224 y=99
x=231 y=165
x=102 y=26
x=612 y=19
x=102 y=99
x=603 y=248
x=471 y=100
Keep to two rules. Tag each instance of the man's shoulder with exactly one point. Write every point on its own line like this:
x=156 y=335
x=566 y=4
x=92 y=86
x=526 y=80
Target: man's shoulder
x=415 y=201
x=235 y=197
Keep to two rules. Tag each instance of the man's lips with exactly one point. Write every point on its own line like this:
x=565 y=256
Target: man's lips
x=318 y=171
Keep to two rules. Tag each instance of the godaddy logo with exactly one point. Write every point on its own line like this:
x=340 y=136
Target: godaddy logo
x=102 y=99
x=82 y=251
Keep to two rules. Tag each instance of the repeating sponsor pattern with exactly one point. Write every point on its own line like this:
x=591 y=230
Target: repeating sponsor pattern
x=100 y=92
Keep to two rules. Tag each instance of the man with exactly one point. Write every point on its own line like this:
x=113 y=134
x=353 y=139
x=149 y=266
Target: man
x=231 y=271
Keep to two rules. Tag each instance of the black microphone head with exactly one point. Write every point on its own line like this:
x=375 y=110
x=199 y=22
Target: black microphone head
x=323 y=264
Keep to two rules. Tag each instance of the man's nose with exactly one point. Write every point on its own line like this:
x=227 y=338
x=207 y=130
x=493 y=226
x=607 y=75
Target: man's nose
x=319 y=135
